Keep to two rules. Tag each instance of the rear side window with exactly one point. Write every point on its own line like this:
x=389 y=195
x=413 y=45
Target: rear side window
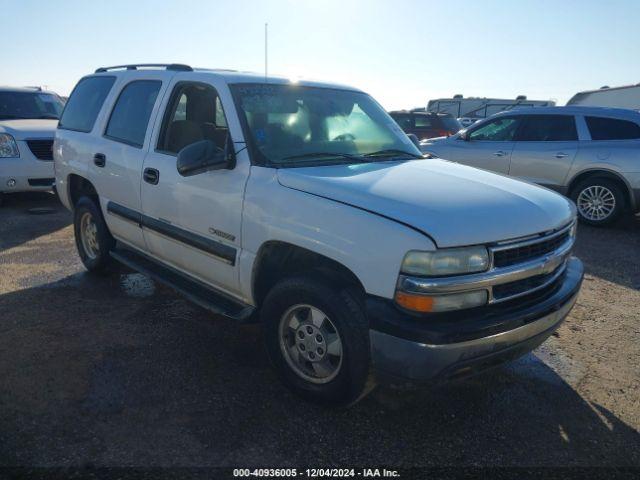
x=85 y=103
x=548 y=128
x=131 y=113
x=423 y=121
x=612 y=129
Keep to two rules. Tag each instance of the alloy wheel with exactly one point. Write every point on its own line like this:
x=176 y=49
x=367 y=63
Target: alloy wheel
x=310 y=343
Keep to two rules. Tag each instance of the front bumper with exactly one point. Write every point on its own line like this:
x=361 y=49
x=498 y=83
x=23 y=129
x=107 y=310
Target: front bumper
x=25 y=173
x=413 y=349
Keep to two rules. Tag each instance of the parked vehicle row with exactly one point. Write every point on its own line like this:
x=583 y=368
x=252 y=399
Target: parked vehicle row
x=425 y=125
x=306 y=207
x=587 y=153
x=28 y=120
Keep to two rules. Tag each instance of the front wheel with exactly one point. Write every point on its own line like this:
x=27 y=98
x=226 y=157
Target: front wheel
x=317 y=338
x=599 y=201
x=93 y=240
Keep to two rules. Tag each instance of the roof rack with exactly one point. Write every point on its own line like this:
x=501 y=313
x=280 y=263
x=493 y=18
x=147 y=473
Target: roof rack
x=167 y=66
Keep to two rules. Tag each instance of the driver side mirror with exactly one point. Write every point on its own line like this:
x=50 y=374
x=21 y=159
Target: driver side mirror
x=205 y=155
x=464 y=135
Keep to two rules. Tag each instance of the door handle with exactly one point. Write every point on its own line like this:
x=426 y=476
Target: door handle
x=100 y=160
x=151 y=175
x=500 y=153
x=561 y=155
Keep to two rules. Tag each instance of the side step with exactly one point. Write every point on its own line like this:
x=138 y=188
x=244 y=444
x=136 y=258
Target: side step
x=199 y=293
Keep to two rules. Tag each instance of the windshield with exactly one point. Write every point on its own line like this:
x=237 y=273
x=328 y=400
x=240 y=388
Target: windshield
x=26 y=105
x=290 y=125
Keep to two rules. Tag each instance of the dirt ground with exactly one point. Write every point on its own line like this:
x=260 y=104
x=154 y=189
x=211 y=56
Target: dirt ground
x=120 y=371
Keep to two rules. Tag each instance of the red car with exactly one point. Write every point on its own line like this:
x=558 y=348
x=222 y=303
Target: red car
x=426 y=125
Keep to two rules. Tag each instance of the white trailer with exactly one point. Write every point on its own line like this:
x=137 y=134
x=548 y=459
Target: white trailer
x=627 y=96
x=477 y=108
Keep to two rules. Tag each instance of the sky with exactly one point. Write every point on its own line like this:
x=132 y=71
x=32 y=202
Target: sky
x=403 y=52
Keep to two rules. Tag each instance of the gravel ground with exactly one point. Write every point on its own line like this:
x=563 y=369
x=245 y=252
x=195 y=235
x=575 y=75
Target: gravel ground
x=120 y=371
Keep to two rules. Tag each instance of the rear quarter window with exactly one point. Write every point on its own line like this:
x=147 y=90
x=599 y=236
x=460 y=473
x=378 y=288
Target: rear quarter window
x=602 y=128
x=85 y=102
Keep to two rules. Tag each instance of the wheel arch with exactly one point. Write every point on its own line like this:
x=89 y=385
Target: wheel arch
x=79 y=186
x=608 y=174
x=278 y=259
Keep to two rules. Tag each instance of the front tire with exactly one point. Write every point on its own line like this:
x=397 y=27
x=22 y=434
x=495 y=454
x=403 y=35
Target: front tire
x=93 y=239
x=599 y=201
x=317 y=338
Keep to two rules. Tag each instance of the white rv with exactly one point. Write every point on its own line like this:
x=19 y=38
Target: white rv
x=627 y=96
x=477 y=107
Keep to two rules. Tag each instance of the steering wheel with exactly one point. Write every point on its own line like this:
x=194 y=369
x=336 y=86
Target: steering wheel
x=345 y=137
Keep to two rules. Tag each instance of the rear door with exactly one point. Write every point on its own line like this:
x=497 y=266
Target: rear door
x=545 y=148
x=487 y=146
x=118 y=158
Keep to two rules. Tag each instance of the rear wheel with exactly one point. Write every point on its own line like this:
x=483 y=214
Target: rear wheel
x=599 y=201
x=93 y=240
x=318 y=340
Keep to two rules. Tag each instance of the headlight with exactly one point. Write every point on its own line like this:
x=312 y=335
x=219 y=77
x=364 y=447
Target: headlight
x=8 y=147
x=452 y=261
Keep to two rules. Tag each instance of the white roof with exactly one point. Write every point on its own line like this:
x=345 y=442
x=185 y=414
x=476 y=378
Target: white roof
x=234 y=77
x=24 y=89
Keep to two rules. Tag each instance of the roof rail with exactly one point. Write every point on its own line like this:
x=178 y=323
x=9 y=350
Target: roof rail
x=167 y=66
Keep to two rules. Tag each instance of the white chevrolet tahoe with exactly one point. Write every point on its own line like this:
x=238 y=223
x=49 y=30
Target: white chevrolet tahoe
x=304 y=206
x=28 y=120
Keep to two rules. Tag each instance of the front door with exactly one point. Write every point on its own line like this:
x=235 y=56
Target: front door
x=487 y=146
x=193 y=223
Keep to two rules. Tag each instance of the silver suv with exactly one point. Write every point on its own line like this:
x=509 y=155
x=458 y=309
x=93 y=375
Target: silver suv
x=590 y=154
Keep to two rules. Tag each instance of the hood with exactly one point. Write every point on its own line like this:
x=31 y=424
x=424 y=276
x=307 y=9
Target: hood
x=454 y=204
x=23 y=129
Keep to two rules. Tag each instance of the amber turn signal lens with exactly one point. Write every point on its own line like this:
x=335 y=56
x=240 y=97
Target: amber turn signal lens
x=417 y=303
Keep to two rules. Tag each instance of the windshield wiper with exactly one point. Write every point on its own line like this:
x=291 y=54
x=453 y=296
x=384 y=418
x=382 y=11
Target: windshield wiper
x=52 y=117
x=391 y=153
x=323 y=154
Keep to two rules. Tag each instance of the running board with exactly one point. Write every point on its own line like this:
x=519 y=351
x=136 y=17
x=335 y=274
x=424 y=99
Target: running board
x=199 y=293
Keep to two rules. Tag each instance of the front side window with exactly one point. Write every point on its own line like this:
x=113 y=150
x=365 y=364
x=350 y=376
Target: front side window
x=85 y=102
x=29 y=105
x=501 y=129
x=548 y=128
x=602 y=128
x=131 y=113
x=194 y=113
x=292 y=125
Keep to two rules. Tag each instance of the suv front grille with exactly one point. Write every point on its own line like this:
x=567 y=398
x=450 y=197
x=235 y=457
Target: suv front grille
x=526 y=285
x=512 y=256
x=41 y=149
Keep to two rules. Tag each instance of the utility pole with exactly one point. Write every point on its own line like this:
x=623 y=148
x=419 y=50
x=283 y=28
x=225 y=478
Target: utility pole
x=266 y=57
